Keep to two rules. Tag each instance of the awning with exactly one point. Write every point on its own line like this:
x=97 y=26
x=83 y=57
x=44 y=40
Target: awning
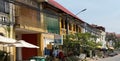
x=111 y=47
x=6 y=40
x=22 y=43
x=99 y=47
x=102 y=48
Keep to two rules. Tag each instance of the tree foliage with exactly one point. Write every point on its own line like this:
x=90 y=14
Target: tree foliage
x=115 y=40
x=80 y=40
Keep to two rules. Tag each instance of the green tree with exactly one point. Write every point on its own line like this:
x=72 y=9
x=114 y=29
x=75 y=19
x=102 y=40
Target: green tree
x=115 y=41
x=80 y=40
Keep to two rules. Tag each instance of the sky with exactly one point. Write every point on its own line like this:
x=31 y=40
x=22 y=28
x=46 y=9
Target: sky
x=104 y=13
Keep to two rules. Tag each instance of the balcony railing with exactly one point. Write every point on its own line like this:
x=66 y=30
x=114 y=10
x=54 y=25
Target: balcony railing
x=28 y=2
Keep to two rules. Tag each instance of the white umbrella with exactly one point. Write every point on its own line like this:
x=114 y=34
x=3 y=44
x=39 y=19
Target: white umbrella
x=22 y=43
x=6 y=40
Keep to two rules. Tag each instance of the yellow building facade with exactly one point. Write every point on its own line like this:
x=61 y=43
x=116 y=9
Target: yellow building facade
x=38 y=22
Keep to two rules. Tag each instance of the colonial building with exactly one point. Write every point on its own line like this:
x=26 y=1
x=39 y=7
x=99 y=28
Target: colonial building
x=102 y=35
x=6 y=26
x=40 y=22
x=111 y=39
x=4 y=16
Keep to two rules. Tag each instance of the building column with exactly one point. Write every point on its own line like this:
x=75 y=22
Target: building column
x=19 y=54
x=11 y=34
x=66 y=25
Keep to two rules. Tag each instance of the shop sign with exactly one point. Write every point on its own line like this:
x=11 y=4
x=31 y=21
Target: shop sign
x=58 y=40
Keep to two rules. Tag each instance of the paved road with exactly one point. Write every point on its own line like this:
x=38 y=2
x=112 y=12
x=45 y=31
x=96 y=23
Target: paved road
x=115 y=58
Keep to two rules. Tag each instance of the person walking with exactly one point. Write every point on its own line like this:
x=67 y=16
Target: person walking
x=55 y=54
x=61 y=56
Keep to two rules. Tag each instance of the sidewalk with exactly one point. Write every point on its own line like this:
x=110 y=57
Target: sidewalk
x=91 y=59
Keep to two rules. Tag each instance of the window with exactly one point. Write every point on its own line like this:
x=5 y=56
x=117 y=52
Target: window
x=3 y=20
x=74 y=27
x=4 y=6
x=1 y=34
x=0 y=20
x=70 y=26
x=77 y=28
x=66 y=24
x=62 y=23
x=52 y=23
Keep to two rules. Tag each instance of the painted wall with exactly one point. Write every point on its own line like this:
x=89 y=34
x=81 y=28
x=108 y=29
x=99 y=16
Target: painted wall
x=27 y=18
x=44 y=41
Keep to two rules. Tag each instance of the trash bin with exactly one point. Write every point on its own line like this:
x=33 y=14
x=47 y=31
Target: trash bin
x=37 y=58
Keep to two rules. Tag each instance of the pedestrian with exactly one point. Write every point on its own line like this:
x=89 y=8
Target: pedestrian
x=55 y=52
x=61 y=56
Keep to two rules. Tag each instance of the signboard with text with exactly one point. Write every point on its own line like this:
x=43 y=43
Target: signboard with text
x=58 y=40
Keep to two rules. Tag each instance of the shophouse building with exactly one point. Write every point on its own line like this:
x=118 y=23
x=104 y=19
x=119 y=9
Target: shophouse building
x=111 y=38
x=4 y=16
x=102 y=36
x=42 y=23
x=6 y=26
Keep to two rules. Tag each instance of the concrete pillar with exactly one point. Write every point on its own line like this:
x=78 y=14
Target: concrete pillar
x=11 y=32
x=19 y=54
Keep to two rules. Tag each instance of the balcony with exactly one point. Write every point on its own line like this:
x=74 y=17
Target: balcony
x=27 y=19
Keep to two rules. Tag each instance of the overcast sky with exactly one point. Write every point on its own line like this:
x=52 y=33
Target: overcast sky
x=104 y=13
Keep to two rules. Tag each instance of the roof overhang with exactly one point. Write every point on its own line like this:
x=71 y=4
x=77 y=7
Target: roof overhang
x=42 y=0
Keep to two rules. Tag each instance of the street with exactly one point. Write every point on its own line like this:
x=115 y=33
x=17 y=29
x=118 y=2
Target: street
x=115 y=58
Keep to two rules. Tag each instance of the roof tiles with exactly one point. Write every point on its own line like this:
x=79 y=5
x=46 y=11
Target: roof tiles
x=57 y=5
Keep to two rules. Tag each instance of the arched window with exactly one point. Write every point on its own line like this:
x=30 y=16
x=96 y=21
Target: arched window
x=70 y=26
x=1 y=34
x=62 y=23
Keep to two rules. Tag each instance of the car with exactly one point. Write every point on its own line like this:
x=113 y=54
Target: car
x=112 y=54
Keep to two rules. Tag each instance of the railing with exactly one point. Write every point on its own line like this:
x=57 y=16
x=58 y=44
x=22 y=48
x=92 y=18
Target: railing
x=28 y=2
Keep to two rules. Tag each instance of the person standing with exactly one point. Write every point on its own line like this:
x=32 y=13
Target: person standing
x=61 y=56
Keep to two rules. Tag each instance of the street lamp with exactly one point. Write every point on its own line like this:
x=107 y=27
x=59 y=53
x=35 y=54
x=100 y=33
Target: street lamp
x=85 y=24
x=81 y=11
x=66 y=22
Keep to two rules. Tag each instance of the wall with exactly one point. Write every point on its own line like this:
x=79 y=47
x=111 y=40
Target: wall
x=29 y=52
x=27 y=18
x=44 y=39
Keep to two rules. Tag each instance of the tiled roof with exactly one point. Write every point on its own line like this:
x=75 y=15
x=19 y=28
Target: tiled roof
x=57 y=5
x=118 y=35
